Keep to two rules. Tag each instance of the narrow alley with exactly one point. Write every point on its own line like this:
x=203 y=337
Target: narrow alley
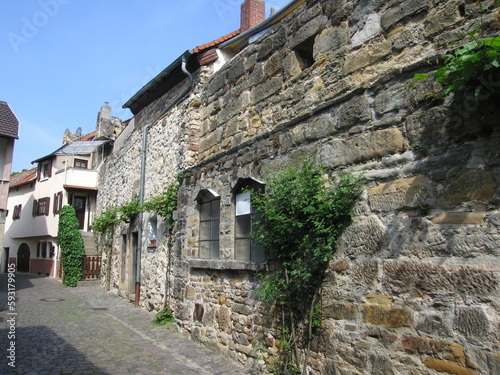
x=51 y=329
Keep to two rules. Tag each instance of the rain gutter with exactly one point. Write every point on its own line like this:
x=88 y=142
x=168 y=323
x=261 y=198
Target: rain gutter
x=183 y=61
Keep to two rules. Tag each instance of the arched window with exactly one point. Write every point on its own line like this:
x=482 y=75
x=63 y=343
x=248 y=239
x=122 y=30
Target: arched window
x=209 y=205
x=244 y=247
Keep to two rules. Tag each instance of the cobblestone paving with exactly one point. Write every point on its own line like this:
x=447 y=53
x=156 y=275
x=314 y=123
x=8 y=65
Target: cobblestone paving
x=86 y=330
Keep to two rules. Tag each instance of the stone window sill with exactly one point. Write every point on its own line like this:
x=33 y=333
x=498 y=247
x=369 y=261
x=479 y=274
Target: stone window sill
x=226 y=264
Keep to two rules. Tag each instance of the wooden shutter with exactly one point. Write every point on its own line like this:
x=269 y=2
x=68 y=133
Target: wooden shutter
x=35 y=207
x=47 y=206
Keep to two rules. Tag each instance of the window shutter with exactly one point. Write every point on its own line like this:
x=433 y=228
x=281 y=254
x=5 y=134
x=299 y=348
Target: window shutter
x=47 y=206
x=35 y=207
x=54 y=206
x=59 y=208
x=50 y=170
x=39 y=174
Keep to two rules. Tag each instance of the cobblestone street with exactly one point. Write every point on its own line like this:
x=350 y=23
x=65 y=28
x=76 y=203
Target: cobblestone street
x=86 y=330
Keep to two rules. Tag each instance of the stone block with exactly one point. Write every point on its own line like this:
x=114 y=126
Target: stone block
x=363 y=147
x=367 y=55
x=266 y=89
x=371 y=28
x=190 y=293
x=354 y=111
x=434 y=325
x=307 y=31
x=292 y=65
x=401 y=11
x=365 y=272
x=265 y=49
x=467 y=185
x=380 y=365
x=223 y=317
x=408 y=192
x=362 y=237
x=448 y=367
x=410 y=36
x=424 y=344
x=330 y=40
x=390 y=100
x=460 y=218
x=442 y=17
x=341 y=311
x=386 y=315
x=416 y=276
x=273 y=65
x=472 y=321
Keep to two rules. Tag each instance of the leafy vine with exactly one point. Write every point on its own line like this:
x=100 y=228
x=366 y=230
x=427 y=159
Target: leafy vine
x=302 y=215
x=70 y=241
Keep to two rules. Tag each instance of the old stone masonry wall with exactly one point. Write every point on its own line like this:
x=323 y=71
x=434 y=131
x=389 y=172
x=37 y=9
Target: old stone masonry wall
x=413 y=288
x=414 y=284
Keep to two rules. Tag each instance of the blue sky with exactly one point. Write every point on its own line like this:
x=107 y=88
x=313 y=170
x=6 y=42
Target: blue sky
x=61 y=60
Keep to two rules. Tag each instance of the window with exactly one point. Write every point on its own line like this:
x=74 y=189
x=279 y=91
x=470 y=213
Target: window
x=45 y=250
x=244 y=247
x=58 y=200
x=209 y=202
x=80 y=163
x=152 y=231
x=44 y=170
x=41 y=207
x=17 y=212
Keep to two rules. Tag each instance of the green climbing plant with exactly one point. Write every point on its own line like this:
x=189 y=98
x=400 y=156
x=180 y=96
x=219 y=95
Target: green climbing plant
x=70 y=241
x=302 y=213
x=164 y=204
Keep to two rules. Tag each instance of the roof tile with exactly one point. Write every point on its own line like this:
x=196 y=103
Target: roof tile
x=9 y=124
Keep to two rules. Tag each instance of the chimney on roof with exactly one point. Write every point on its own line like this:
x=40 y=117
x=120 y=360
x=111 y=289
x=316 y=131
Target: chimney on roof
x=253 y=12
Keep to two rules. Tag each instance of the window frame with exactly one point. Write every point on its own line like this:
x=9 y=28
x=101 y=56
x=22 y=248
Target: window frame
x=58 y=200
x=82 y=161
x=17 y=212
x=41 y=207
x=254 y=252
x=209 y=237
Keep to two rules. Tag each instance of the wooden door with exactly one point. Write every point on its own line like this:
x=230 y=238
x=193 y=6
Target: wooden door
x=23 y=258
x=80 y=203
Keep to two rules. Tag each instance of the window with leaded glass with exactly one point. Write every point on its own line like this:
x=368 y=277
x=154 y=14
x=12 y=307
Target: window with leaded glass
x=209 y=206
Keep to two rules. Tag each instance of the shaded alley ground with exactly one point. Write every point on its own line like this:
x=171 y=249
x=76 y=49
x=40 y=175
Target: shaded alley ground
x=86 y=330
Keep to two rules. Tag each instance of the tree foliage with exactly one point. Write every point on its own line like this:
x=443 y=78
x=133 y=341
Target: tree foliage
x=302 y=213
x=71 y=244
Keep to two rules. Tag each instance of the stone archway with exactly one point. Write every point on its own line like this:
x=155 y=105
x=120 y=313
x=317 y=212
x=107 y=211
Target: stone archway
x=23 y=258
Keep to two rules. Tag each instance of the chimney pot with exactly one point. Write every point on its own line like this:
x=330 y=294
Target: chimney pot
x=253 y=12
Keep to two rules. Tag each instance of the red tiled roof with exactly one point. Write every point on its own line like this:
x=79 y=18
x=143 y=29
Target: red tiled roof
x=23 y=178
x=9 y=124
x=75 y=187
x=87 y=137
x=216 y=42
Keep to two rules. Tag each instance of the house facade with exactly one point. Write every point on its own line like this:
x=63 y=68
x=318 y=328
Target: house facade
x=67 y=176
x=9 y=130
x=414 y=283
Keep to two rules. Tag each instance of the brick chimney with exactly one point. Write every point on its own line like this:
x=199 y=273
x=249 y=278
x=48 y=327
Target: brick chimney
x=253 y=12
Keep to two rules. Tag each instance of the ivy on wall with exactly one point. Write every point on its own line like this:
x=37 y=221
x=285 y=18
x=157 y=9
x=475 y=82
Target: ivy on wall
x=163 y=204
x=302 y=213
x=70 y=241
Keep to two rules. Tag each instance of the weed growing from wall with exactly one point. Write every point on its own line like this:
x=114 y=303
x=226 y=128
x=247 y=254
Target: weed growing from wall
x=303 y=212
x=70 y=241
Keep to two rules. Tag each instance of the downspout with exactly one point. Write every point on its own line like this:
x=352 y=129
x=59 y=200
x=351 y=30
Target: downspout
x=185 y=58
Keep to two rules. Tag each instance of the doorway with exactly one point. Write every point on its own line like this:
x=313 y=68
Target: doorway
x=23 y=258
x=80 y=203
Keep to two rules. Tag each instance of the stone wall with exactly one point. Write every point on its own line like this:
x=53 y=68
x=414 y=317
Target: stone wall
x=413 y=287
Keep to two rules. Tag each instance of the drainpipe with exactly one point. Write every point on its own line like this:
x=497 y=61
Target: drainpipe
x=185 y=58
